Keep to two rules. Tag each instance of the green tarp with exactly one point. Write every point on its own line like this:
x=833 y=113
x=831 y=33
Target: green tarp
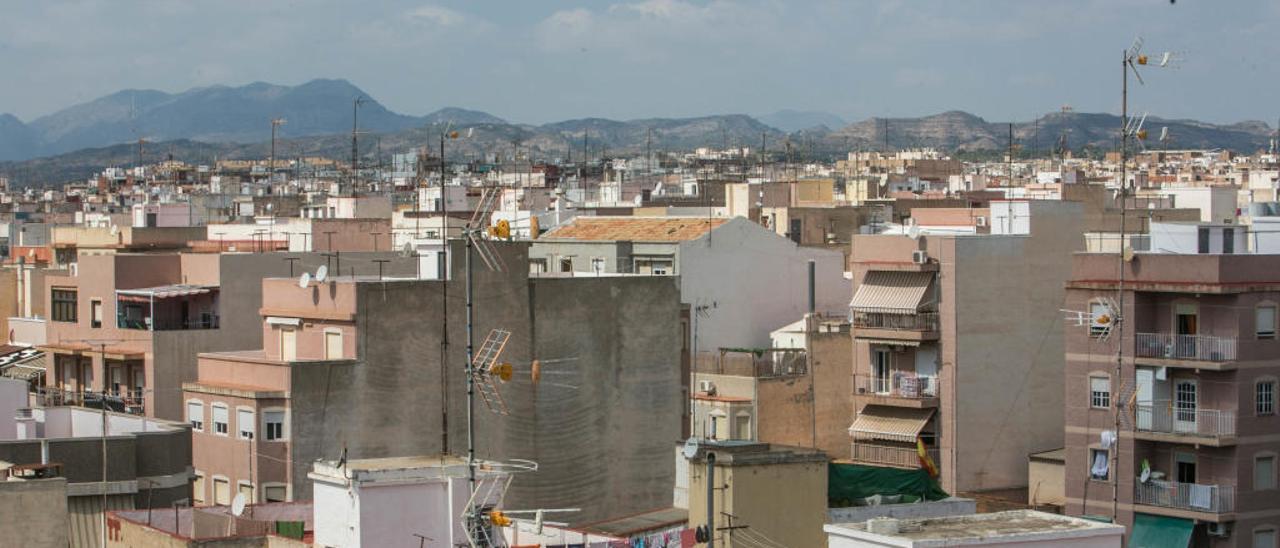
x=1160 y=532
x=848 y=484
x=291 y=529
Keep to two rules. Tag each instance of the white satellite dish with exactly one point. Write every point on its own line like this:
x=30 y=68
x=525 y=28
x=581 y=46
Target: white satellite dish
x=1164 y=133
x=237 y=505
x=914 y=232
x=115 y=230
x=322 y=273
x=304 y=280
x=470 y=131
x=691 y=447
x=407 y=250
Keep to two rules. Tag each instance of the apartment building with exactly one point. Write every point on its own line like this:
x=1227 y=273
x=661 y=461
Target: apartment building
x=1193 y=397
x=131 y=325
x=956 y=343
x=358 y=366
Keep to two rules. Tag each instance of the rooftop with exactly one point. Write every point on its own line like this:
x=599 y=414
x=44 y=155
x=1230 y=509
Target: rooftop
x=1026 y=526
x=639 y=229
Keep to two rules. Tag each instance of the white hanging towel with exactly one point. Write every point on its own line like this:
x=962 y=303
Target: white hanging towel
x=1100 y=462
x=1108 y=439
x=1201 y=496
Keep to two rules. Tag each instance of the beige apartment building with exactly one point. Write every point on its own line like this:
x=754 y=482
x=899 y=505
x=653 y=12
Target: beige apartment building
x=1194 y=397
x=956 y=343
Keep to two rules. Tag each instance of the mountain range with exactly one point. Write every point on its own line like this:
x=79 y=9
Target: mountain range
x=203 y=124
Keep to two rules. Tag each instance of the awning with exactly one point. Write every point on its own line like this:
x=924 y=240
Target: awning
x=889 y=342
x=277 y=320
x=891 y=292
x=1160 y=532
x=166 y=291
x=889 y=423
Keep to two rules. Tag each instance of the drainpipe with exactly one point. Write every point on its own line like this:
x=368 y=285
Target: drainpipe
x=711 y=490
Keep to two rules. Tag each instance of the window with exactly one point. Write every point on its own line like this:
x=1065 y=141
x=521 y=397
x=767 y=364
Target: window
x=64 y=305
x=275 y=493
x=566 y=265
x=1203 y=243
x=195 y=415
x=1264 y=472
x=244 y=423
x=220 y=419
x=1097 y=311
x=273 y=424
x=1099 y=464
x=743 y=426
x=288 y=344
x=1228 y=240
x=221 y=491
x=197 y=489
x=1265 y=401
x=1100 y=392
x=95 y=307
x=1264 y=538
x=332 y=344
x=1264 y=323
x=245 y=488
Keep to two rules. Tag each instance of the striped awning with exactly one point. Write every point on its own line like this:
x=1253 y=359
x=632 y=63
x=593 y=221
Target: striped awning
x=892 y=292
x=889 y=423
x=166 y=291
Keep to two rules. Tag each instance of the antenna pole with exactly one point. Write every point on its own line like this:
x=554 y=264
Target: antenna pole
x=471 y=373
x=1119 y=314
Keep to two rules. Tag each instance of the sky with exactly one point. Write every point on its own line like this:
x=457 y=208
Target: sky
x=537 y=61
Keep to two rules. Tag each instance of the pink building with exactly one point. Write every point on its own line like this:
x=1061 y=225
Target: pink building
x=1194 y=397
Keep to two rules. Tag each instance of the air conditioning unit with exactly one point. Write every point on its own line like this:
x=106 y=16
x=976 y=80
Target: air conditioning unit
x=707 y=387
x=1221 y=530
x=980 y=221
x=920 y=256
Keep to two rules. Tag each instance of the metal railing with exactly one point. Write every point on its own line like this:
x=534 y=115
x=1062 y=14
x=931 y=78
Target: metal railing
x=900 y=384
x=1186 y=496
x=123 y=401
x=920 y=321
x=1185 y=347
x=889 y=455
x=1170 y=417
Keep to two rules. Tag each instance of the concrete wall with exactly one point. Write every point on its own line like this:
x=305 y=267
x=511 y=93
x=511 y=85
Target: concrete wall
x=752 y=282
x=784 y=501
x=34 y=513
x=599 y=424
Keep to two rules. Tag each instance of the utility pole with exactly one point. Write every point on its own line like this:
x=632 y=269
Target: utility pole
x=271 y=168
x=1010 y=159
x=355 y=146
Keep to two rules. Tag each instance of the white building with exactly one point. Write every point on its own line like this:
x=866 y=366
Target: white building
x=1024 y=528
x=397 y=501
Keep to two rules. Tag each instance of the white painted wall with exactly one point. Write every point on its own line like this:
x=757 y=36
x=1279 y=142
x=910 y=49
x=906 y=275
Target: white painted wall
x=1216 y=204
x=1184 y=238
x=13 y=396
x=753 y=281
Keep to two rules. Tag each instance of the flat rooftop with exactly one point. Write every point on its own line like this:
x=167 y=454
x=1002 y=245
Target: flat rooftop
x=1024 y=525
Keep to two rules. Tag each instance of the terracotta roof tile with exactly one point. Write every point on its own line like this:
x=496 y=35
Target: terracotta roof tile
x=637 y=229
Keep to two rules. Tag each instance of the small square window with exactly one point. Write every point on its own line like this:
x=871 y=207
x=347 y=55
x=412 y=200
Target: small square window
x=195 y=415
x=244 y=423
x=220 y=420
x=1265 y=322
x=1264 y=472
x=1100 y=392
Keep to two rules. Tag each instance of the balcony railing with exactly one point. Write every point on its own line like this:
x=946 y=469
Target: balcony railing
x=1185 y=347
x=899 y=385
x=888 y=455
x=125 y=401
x=920 y=321
x=1169 y=417
x=1195 y=497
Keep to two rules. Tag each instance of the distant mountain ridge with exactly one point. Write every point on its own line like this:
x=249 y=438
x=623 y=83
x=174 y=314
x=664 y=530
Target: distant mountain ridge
x=233 y=122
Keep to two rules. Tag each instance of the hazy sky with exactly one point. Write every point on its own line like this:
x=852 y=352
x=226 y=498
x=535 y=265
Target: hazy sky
x=543 y=60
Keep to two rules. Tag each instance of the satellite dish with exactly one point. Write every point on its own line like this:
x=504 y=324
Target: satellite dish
x=237 y=505
x=322 y=273
x=304 y=280
x=270 y=206
x=115 y=230
x=470 y=131
x=1146 y=475
x=1127 y=253
x=691 y=447
x=914 y=232
x=1164 y=133
x=407 y=250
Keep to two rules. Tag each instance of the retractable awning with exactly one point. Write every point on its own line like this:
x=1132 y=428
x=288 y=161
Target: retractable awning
x=892 y=292
x=1160 y=532
x=890 y=423
x=167 y=291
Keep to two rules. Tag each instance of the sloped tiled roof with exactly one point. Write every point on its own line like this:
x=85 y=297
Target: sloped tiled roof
x=635 y=229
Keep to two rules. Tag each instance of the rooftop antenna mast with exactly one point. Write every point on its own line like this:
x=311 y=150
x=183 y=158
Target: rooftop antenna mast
x=355 y=143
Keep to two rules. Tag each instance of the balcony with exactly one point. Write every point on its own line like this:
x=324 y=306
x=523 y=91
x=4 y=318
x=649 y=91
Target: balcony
x=1170 y=421
x=1188 y=497
x=125 y=401
x=1174 y=350
x=890 y=455
x=919 y=326
x=901 y=388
